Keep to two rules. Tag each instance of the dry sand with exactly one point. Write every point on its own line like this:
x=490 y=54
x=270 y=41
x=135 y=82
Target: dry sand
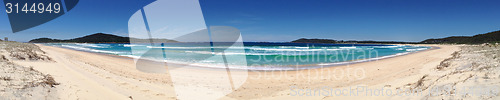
x=24 y=82
x=91 y=76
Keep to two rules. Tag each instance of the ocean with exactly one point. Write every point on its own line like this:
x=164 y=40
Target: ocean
x=251 y=55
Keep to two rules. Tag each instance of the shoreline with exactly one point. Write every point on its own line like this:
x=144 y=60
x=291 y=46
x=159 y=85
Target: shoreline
x=277 y=68
x=116 y=77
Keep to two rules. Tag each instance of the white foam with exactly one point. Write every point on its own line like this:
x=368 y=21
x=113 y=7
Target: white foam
x=276 y=49
x=131 y=45
x=417 y=49
x=92 y=45
x=347 y=47
x=229 y=53
x=179 y=47
x=394 y=46
x=286 y=47
x=302 y=47
x=333 y=49
x=132 y=56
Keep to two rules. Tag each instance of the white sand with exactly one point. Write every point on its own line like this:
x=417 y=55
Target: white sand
x=93 y=76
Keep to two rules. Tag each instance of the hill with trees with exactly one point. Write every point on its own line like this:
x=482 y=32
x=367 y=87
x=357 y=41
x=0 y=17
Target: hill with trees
x=491 y=37
x=99 y=38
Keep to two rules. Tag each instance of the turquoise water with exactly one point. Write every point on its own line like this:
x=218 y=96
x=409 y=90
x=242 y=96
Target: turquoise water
x=265 y=55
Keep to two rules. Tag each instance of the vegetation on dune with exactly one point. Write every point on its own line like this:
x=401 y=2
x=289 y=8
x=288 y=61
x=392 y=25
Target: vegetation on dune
x=19 y=82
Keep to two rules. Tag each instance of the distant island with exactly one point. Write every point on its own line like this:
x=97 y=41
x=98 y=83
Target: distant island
x=491 y=37
x=99 y=38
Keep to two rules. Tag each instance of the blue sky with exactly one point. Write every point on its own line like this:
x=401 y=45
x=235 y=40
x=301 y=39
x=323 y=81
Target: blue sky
x=286 y=20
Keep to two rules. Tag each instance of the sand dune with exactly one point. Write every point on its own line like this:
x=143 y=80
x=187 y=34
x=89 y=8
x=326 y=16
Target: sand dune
x=24 y=82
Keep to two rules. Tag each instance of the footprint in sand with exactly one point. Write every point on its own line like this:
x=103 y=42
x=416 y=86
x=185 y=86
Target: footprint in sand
x=123 y=83
x=160 y=94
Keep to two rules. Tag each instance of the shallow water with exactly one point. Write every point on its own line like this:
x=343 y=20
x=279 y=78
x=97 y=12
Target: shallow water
x=249 y=54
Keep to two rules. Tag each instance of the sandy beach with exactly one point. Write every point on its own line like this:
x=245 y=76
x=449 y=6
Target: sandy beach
x=92 y=76
x=250 y=50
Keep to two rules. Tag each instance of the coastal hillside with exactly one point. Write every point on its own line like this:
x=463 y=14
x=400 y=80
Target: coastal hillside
x=491 y=37
x=304 y=40
x=98 y=38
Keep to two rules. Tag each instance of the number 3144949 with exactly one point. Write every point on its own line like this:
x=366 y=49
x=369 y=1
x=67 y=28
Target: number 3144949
x=33 y=8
